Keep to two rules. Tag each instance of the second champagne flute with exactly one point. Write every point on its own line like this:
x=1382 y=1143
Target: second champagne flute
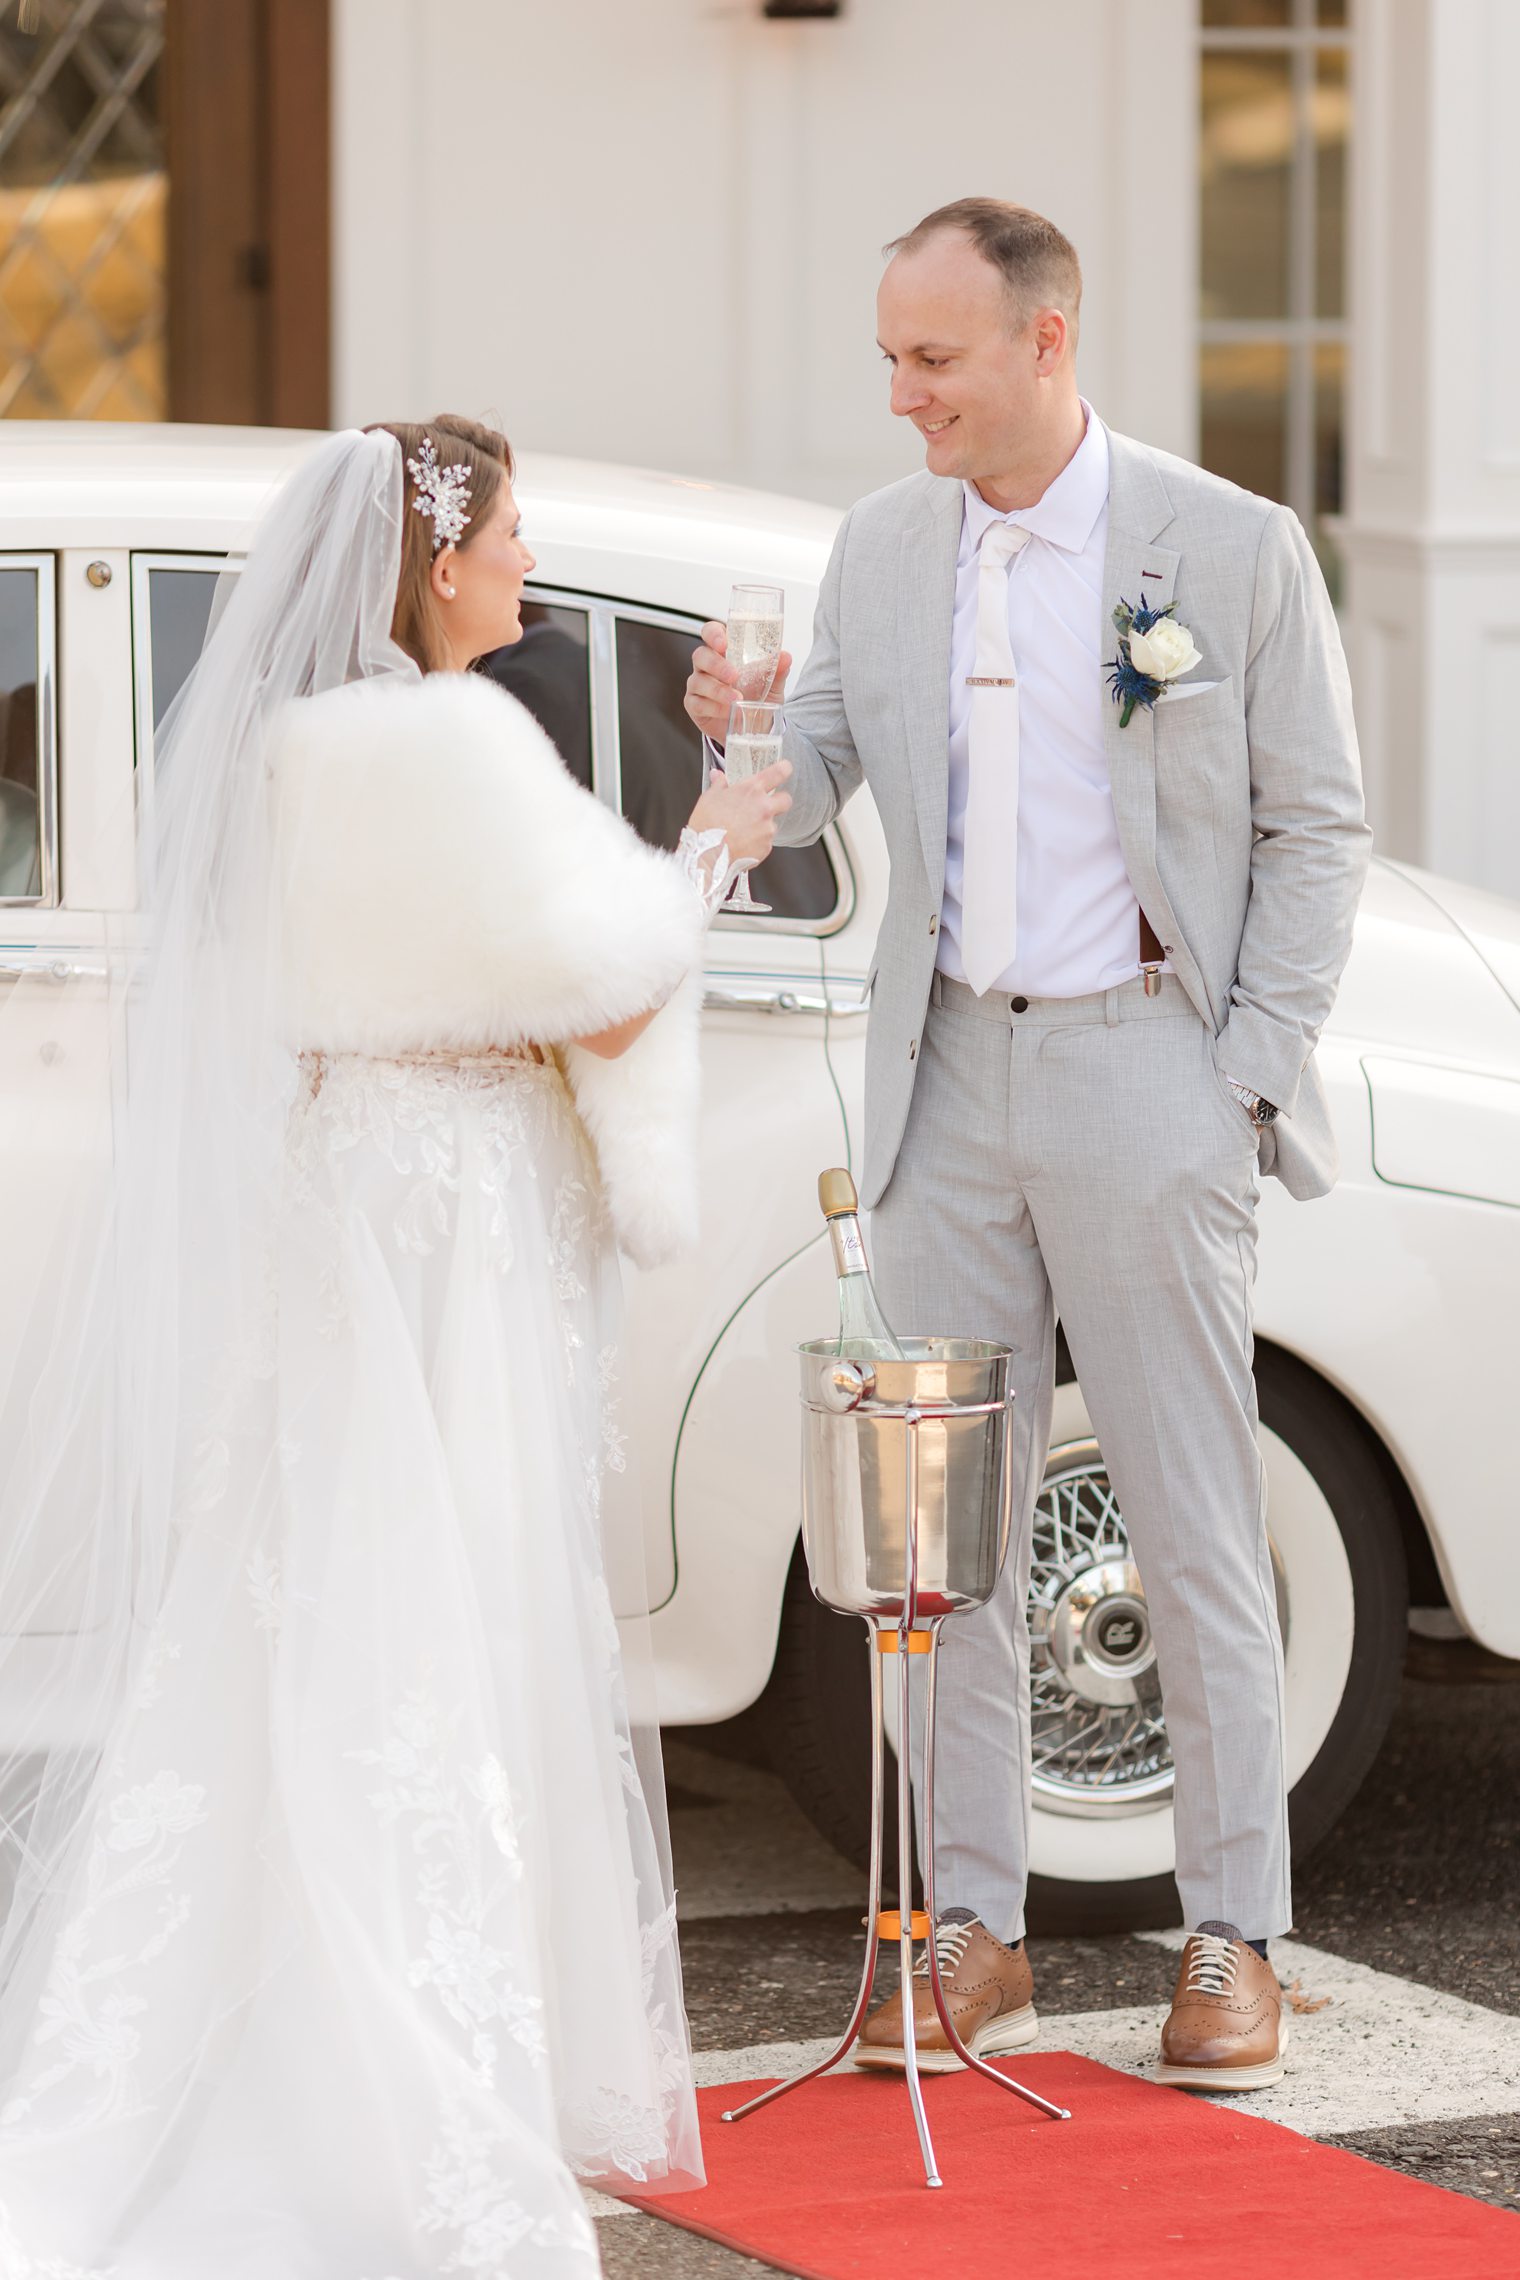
x=754 y=636
x=755 y=736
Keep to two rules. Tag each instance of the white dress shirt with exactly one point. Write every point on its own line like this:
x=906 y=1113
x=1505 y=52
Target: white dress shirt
x=1078 y=919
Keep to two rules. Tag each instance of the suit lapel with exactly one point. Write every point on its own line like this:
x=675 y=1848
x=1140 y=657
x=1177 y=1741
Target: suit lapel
x=929 y=548
x=1135 y=569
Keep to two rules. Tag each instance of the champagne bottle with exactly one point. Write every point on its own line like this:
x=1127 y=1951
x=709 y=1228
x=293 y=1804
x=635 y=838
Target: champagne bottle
x=865 y=1334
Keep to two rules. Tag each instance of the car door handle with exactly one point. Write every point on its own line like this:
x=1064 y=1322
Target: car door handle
x=842 y=1001
x=53 y=966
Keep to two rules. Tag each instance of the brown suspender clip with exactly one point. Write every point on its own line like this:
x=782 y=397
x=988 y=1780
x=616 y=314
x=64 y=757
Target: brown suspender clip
x=1152 y=957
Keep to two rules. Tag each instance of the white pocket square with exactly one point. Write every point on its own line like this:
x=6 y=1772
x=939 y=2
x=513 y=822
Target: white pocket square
x=1176 y=689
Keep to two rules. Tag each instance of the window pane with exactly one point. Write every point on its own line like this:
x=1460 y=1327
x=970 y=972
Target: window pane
x=179 y=609
x=1332 y=127
x=1245 y=150
x=83 y=201
x=20 y=748
x=549 y=672
x=1247 y=15
x=1332 y=13
x=662 y=768
x=1244 y=388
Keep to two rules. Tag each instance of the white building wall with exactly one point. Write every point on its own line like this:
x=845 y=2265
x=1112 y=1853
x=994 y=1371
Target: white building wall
x=650 y=229
x=1433 y=460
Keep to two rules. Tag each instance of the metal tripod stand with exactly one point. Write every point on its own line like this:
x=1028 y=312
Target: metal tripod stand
x=905 y=1522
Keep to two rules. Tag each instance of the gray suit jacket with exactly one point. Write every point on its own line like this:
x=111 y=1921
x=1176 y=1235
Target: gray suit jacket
x=1239 y=809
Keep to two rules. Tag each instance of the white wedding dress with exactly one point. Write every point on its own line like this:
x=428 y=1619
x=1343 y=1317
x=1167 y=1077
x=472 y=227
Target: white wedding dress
x=365 y=1952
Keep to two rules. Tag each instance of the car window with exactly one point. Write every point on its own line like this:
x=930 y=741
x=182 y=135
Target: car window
x=179 y=610
x=549 y=672
x=662 y=768
x=20 y=741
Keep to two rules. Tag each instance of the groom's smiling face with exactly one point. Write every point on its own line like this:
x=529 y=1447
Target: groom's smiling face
x=964 y=370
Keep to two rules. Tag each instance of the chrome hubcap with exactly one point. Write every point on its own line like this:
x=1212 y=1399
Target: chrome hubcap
x=1099 y=1732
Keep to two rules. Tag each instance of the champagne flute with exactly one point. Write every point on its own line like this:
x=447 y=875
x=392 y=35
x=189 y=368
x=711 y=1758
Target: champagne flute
x=754 y=637
x=755 y=736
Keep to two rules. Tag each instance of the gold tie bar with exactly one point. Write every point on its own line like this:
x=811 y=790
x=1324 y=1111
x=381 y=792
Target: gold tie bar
x=985 y=681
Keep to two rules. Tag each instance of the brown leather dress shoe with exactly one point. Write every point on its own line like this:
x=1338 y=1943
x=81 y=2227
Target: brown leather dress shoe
x=989 y=1991
x=1226 y=2030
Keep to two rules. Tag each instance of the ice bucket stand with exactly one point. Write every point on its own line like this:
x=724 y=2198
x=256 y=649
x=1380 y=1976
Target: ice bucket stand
x=906 y=1502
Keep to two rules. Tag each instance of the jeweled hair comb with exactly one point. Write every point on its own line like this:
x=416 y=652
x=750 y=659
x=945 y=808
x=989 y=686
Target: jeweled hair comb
x=441 y=493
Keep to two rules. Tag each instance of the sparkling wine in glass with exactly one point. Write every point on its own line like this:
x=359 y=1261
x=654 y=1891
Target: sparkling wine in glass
x=754 y=636
x=755 y=736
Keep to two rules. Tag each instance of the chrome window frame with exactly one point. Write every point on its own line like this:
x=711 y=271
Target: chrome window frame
x=603 y=613
x=45 y=568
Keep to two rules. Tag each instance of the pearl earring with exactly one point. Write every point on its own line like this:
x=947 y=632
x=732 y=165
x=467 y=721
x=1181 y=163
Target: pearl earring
x=448 y=593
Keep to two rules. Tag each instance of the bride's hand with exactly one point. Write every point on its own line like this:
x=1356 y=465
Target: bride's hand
x=746 y=811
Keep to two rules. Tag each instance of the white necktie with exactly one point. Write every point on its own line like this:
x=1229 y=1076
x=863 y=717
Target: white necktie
x=990 y=846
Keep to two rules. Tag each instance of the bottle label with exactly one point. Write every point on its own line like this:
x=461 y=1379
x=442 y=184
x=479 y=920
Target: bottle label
x=849 y=1249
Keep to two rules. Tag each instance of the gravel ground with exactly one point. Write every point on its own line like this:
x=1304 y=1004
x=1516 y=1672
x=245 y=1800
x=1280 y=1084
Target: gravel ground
x=1422 y=1876
x=788 y=1978
x=646 y=2248
x=1479 y=2157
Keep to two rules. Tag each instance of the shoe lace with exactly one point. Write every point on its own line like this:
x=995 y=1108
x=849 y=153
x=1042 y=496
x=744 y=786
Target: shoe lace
x=950 y=1944
x=1212 y=1965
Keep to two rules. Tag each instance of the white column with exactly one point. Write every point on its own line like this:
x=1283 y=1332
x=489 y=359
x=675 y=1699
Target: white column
x=1433 y=449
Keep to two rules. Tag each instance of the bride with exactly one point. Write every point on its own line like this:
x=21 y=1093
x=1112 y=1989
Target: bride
x=340 y=1938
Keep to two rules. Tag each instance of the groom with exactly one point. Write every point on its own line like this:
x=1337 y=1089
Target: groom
x=1113 y=934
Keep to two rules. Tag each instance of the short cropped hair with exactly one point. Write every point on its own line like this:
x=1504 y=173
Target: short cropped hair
x=1038 y=264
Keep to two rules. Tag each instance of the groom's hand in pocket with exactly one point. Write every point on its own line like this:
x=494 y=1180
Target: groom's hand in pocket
x=710 y=689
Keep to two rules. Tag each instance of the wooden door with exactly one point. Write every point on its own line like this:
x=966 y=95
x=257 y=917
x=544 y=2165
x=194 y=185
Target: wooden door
x=247 y=96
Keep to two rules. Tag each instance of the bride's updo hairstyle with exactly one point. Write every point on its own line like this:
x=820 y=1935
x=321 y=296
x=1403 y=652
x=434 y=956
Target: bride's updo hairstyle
x=457 y=443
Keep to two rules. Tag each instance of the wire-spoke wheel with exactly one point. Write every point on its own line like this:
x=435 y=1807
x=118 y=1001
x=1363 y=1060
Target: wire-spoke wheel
x=1098 y=1730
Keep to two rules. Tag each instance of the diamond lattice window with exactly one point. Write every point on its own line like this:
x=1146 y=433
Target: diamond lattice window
x=83 y=192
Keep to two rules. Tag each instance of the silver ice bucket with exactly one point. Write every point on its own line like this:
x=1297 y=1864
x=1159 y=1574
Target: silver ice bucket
x=906 y=1479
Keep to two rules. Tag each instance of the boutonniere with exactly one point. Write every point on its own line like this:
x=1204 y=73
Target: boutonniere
x=1153 y=649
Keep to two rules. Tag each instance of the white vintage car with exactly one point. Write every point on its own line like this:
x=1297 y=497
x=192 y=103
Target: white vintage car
x=1386 y=1339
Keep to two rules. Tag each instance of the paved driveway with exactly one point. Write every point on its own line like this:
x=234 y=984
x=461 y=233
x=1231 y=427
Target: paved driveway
x=1404 y=1970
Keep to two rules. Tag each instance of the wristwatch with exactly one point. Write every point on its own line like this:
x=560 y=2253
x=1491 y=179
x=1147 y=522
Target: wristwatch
x=1259 y=1111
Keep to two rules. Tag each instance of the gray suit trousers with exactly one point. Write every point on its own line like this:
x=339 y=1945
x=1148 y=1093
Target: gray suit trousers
x=1084 y=1159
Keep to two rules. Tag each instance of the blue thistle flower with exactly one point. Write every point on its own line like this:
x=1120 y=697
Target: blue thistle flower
x=1128 y=686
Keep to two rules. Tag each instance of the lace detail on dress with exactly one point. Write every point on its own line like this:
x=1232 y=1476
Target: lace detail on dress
x=409 y=1109
x=612 y=2129
x=468 y=2197
x=455 y=1899
x=704 y=858
x=262 y=1576
x=89 y=2003
x=16 y=2264
x=614 y=1439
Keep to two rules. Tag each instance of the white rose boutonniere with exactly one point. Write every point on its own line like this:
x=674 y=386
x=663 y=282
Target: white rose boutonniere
x=1153 y=649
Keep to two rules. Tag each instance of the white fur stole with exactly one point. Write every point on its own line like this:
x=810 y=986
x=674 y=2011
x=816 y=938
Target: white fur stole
x=447 y=884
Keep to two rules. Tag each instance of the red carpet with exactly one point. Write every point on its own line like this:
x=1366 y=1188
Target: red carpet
x=1141 y=2184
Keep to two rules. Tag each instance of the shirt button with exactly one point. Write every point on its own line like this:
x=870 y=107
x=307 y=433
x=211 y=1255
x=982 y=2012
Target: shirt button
x=1019 y=1004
